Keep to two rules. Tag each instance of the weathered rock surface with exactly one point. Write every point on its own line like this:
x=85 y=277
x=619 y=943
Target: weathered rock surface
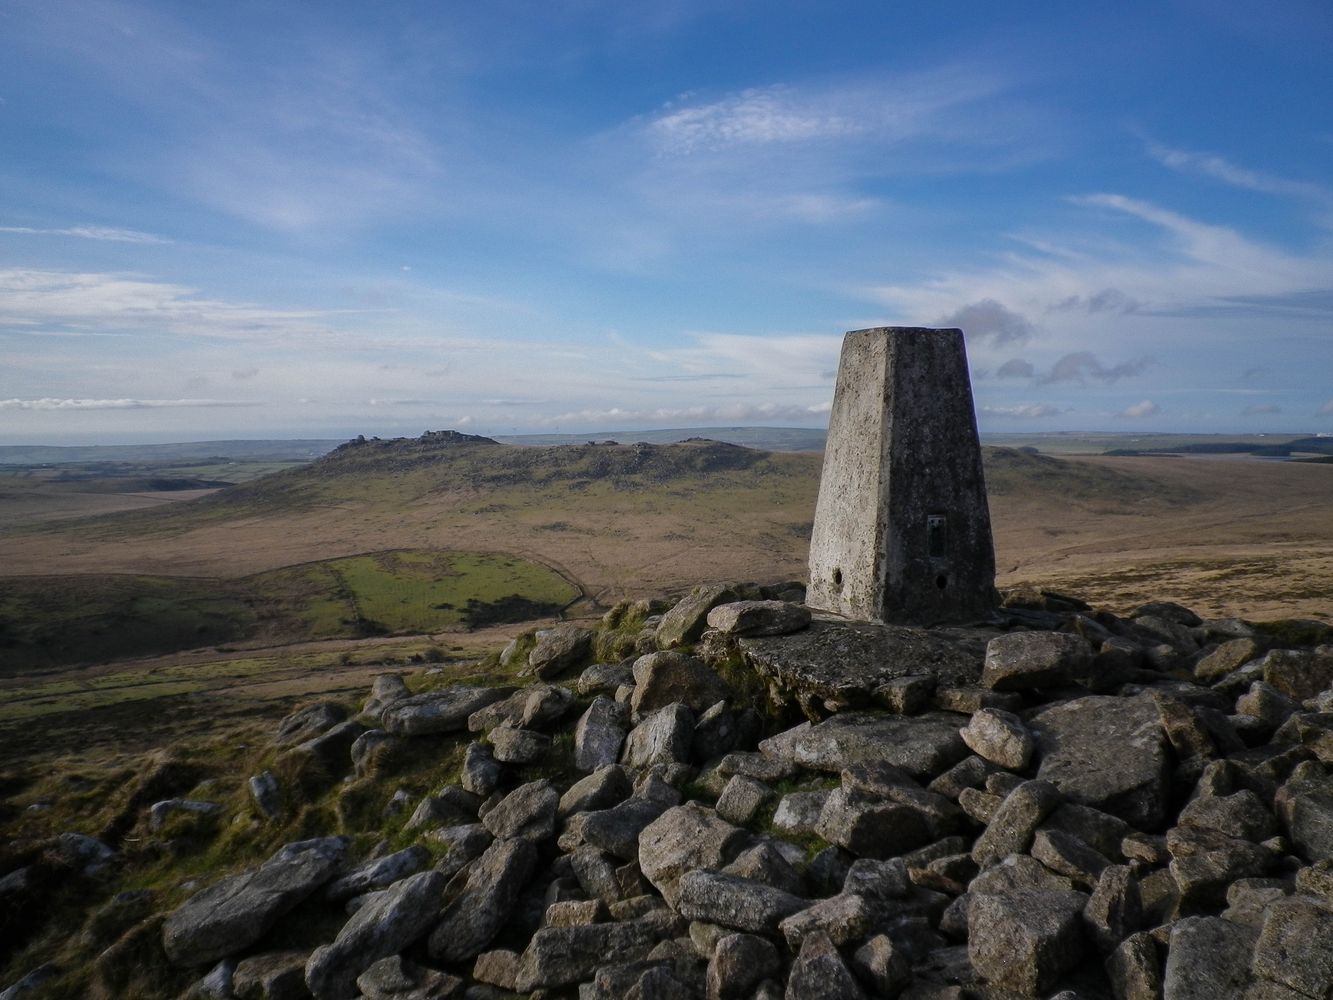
x=1108 y=753
x=559 y=649
x=309 y=722
x=1295 y=946
x=528 y=812
x=391 y=921
x=1013 y=825
x=819 y=973
x=510 y=745
x=1208 y=959
x=685 y=838
x=1304 y=803
x=686 y=620
x=668 y=678
x=398 y=978
x=1022 y=661
x=266 y=794
x=385 y=689
x=600 y=733
x=738 y=964
x=377 y=874
x=270 y=974
x=1024 y=940
x=1299 y=673
x=477 y=913
x=562 y=956
x=1000 y=738
x=759 y=618
x=443 y=711
x=923 y=745
x=742 y=798
x=737 y=903
x=232 y=914
x=871 y=827
x=662 y=738
x=840 y=663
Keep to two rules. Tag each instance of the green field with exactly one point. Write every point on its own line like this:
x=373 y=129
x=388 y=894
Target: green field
x=48 y=622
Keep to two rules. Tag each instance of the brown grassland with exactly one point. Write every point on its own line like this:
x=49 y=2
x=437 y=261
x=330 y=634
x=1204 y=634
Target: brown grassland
x=1225 y=536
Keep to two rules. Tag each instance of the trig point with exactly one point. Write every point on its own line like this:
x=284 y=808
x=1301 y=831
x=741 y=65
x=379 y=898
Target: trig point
x=902 y=531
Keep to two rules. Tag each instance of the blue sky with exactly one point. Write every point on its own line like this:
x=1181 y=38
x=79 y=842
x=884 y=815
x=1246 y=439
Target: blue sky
x=321 y=219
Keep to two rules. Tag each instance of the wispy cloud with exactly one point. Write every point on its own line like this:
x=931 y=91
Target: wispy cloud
x=709 y=377
x=1108 y=300
x=729 y=413
x=1260 y=409
x=778 y=357
x=1326 y=410
x=704 y=163
x=1143 y=408
x=317 y=140
x=48 y=403
x=876 y=109
x=105 y=233
x=1221 y=169
x=1194 y=267
x=776 y=114
x=1028 y=411
x=75 y=302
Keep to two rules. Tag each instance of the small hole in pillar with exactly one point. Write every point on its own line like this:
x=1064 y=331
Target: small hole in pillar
x=837 y=578
x=942 y=581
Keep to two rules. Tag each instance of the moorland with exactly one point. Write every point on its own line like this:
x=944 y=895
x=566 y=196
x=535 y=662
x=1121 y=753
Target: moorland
x=137 y=593
x=159 y=614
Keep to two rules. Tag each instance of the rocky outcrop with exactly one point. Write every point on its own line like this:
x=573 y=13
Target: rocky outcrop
x=1057 y=803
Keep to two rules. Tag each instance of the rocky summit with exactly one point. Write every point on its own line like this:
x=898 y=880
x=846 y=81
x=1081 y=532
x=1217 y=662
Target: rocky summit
x=731 y=797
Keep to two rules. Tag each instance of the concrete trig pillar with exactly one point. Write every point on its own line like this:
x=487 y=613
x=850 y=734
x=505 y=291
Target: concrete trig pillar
x=902 y=531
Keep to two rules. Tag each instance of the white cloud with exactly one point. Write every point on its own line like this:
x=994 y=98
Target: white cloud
x=878 y=109
x=48 y=403
x=102 y=302
x=1326 y=410
x=755 y=116
x=779 y=357
x=728 y=413
x=1194 y=266
x=105 y=233
x=1219 y=168
x=1144 y=408
x=1026 y=411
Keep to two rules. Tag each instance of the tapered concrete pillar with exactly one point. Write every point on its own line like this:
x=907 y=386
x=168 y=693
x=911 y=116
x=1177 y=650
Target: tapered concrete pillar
x=902 y=530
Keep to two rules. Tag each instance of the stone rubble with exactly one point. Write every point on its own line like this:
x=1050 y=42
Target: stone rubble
x=1054 y=803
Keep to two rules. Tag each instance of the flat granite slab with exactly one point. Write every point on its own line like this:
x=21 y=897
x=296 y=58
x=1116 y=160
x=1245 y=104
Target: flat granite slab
x=923 y=745
x=843 y=663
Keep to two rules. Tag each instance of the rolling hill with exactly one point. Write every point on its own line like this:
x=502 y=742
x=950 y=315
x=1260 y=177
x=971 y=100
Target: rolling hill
x=1243 y=537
